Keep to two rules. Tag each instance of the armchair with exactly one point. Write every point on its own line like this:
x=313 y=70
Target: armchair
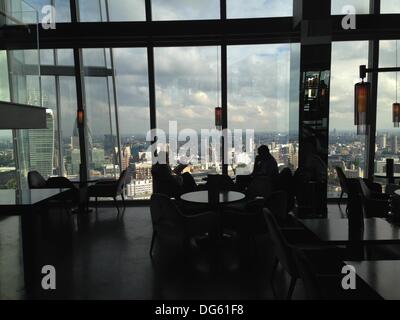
x=109 y=189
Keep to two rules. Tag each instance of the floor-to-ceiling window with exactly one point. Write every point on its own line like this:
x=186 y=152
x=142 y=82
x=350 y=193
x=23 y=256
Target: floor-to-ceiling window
x=386 y=134
x=188 y=88
x=261 y=79
x=132 y=94
x=7 y=157
x=346 y=148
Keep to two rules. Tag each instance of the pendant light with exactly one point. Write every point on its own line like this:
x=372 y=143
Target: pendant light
x=362 y=103
x=218 y=109
x=396 y=105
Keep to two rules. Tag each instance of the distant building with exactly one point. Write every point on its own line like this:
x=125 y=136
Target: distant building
x=143 y=171
x=75 y=161
x=395 y=146
x=139 y=189
x=125 y=157
x=41 y=147
x=98 y=158
x=111 y=170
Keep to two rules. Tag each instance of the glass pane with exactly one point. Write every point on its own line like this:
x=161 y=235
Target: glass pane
x=4 y=80
x=361 y=6
x=62 y=7
x=92 y=11
x=386 y=134
x=259 y=99
x=68 y=127
x=115 y=10
x=134 y=119
x=101 y=135
x=127 y=10
x=390 y=6
x=185 y=10
x=47 y=57
x=259 y=8
x=346 y=149
x=7 y=163
x=387 y=53
x=25 y=89
x=65 y=57
x=96 y=57
x=53 y=165
x=187 y=91
x=20 y=12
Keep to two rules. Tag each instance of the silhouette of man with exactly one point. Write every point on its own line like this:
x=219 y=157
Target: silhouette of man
x=265 y=164
x=165 y=181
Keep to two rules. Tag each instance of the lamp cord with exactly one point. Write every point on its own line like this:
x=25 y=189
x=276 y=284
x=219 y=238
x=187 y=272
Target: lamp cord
x=218 y=76
x=396 y=71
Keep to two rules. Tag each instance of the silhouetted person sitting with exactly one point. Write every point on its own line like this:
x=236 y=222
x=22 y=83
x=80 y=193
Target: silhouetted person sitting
x=265 y=164
x=165 y=181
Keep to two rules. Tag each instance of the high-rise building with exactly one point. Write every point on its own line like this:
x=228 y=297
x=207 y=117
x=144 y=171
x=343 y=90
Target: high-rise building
x=75 y=161
x=126 y=157
x=98 y=158
x=384 y=141
x=395 y=146
x=143 y=171
x=41 y=147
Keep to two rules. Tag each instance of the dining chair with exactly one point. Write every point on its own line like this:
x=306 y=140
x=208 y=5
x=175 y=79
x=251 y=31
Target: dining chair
x=109 y=189
x=374 y=204
x=36 y=180
x=308 y=274
x=283 y=252
x=170 y=223
x=343 y=184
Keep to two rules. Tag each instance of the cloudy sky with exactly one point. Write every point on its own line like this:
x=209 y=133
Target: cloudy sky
x=262 y=79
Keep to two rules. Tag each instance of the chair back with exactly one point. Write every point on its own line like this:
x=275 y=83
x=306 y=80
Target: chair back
x=283 y=250
x=261 y=186
x=36 y=180
x=365 y=192
x=308 y=275
x=165 y=217
x=189 y=184
x=342 y=180
x=121 y=181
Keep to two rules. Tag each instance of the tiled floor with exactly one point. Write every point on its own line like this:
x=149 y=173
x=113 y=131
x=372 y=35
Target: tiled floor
x=108 y=258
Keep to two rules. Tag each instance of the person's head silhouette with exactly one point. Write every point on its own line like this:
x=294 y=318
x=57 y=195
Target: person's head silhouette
x=263 y=151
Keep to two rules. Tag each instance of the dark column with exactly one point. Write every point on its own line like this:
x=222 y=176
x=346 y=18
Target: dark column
x=313 y=18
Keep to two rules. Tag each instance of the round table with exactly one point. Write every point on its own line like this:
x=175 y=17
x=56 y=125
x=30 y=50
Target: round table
x=201 y=197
